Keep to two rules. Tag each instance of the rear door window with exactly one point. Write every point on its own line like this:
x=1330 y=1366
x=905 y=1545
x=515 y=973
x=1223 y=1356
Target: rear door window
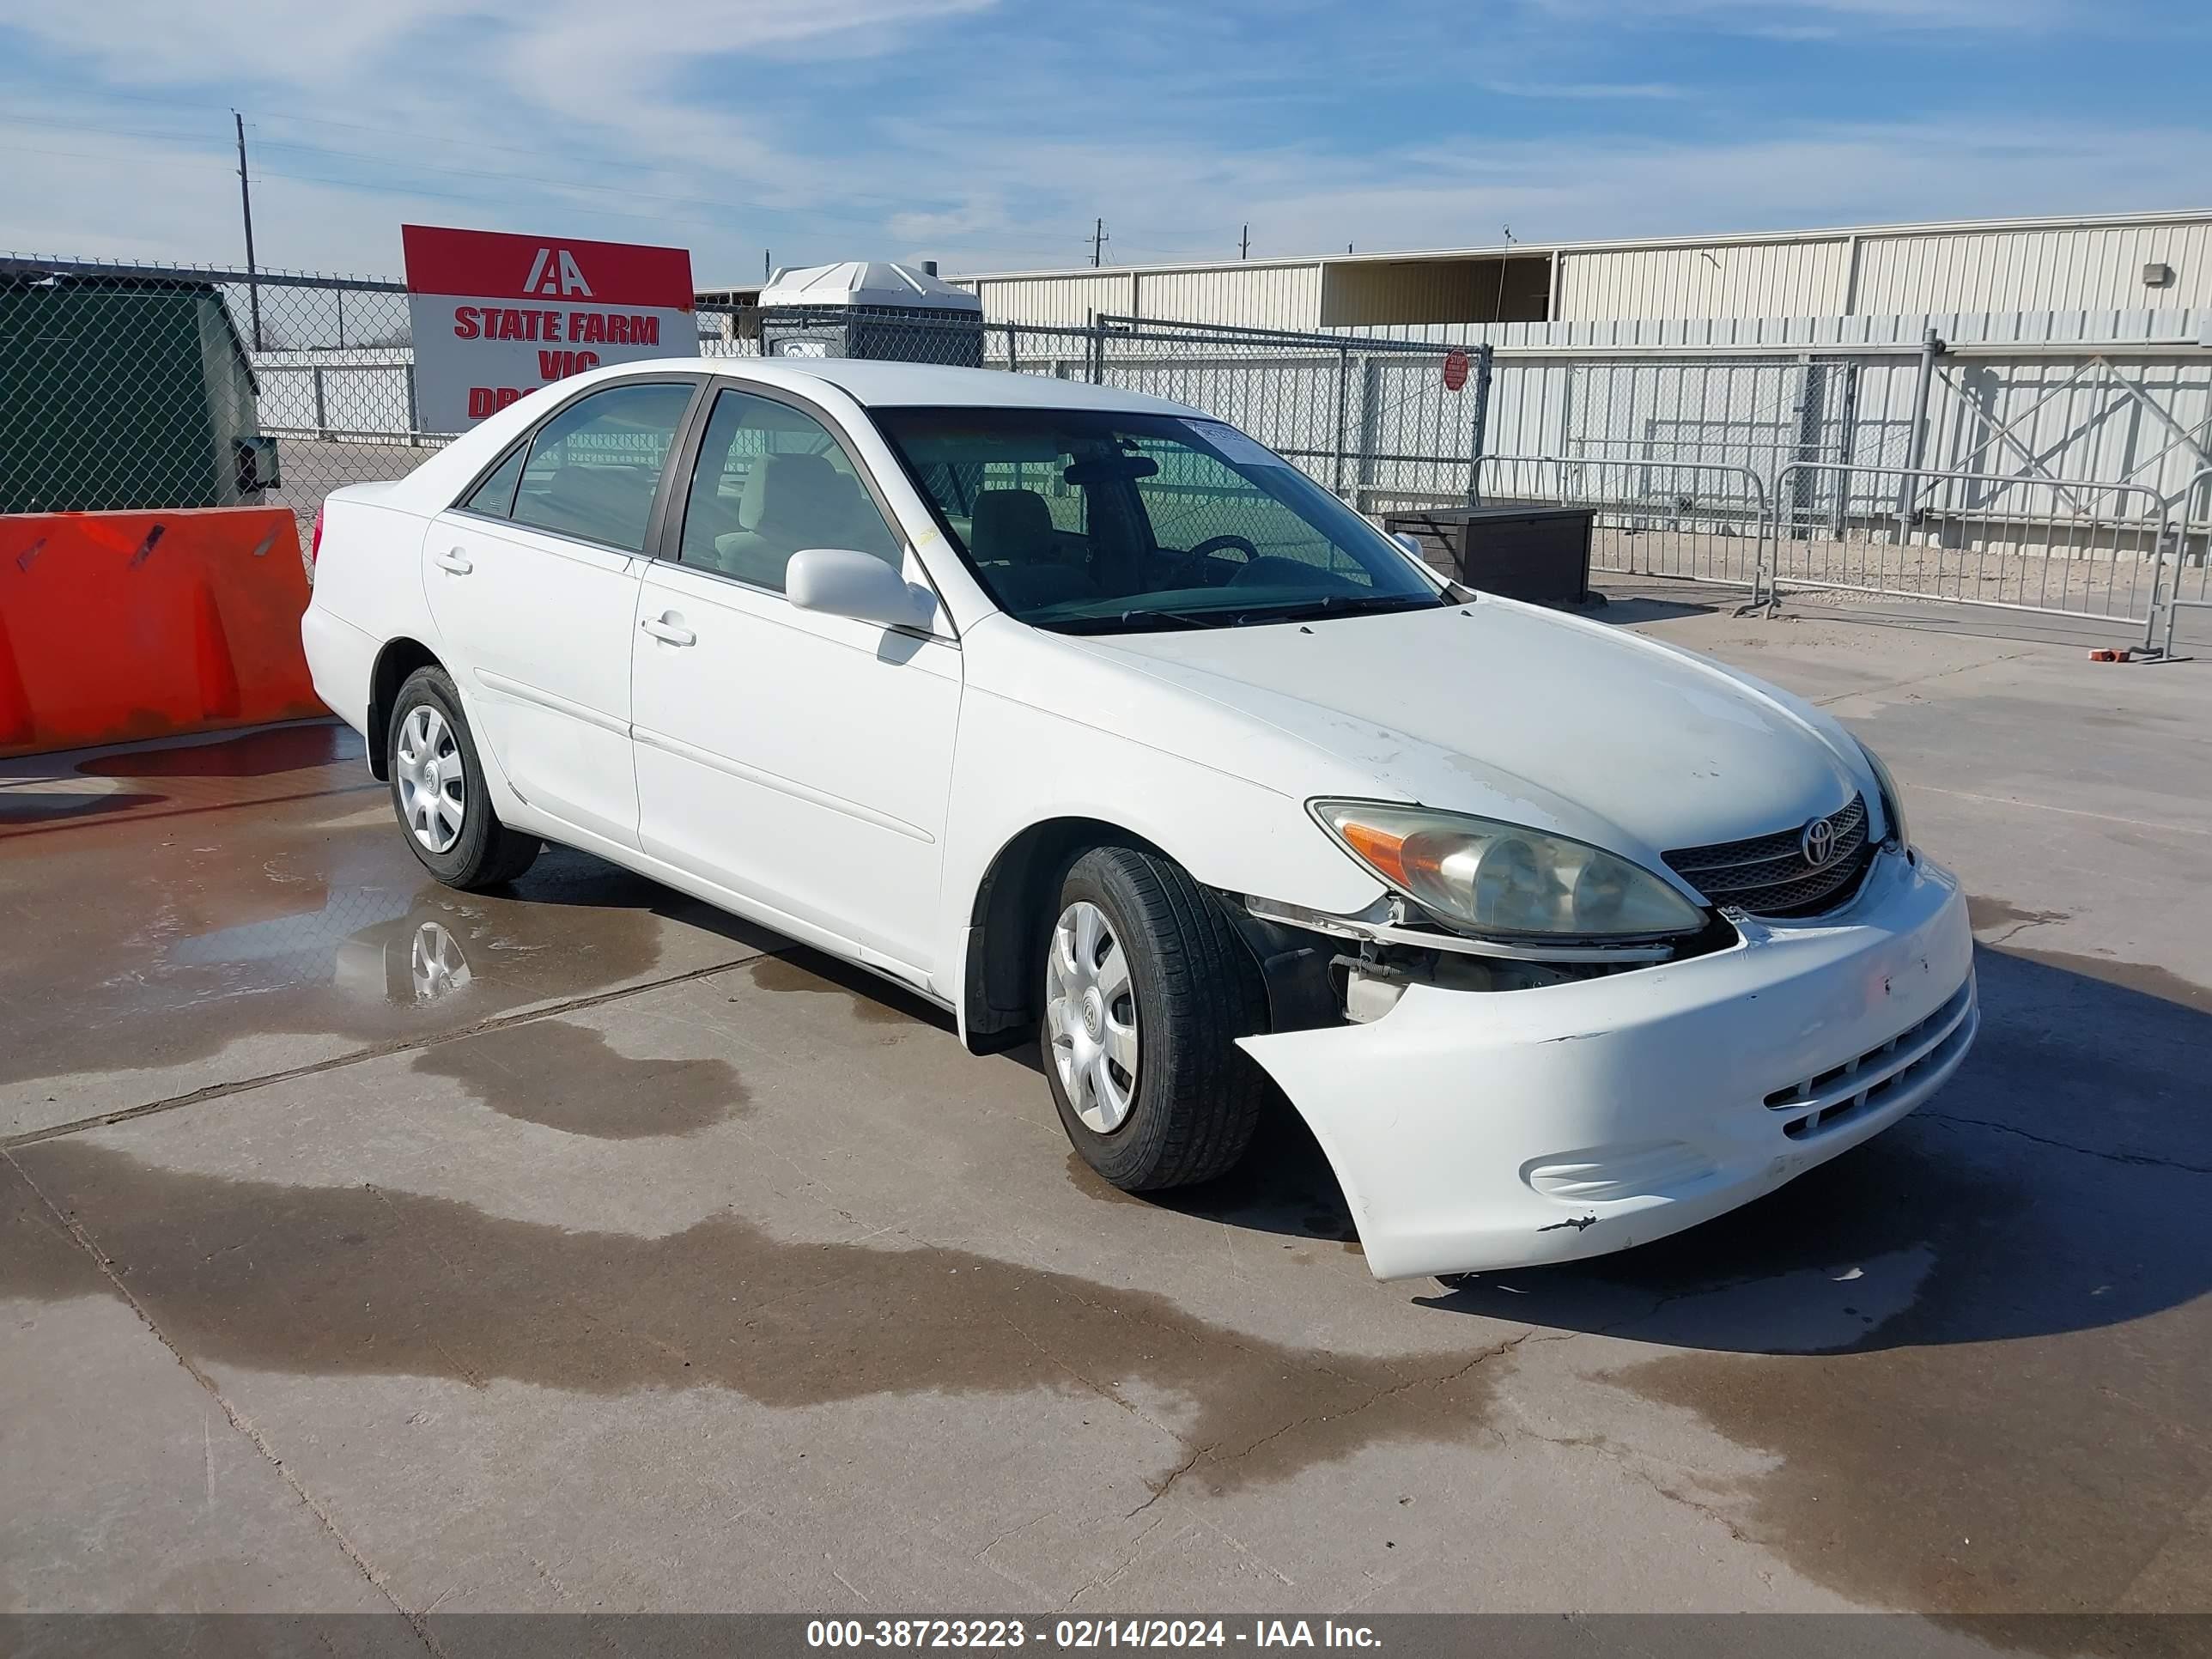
x=593 y=468
x=495 y=496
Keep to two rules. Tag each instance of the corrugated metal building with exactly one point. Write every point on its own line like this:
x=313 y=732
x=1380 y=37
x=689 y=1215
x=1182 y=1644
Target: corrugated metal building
x=2117 y=262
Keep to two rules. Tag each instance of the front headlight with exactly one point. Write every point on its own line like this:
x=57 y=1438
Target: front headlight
x=1893 y=804
x=1493 y=878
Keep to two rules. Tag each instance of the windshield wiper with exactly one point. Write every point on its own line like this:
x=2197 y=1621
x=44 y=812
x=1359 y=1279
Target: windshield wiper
x=1137 y=622
x=1340 y=604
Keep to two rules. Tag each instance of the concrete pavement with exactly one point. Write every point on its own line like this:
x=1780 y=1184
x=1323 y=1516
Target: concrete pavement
x=374 y=1246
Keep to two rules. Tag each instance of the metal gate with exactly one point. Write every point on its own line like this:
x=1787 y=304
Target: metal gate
x=2071 y=547
x=1375 y=420
x=1701 y=520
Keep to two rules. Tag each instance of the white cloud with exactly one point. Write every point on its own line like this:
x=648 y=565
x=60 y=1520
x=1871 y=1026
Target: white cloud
x=834 y=128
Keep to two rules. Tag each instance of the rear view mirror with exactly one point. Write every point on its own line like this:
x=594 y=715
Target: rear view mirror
x=841 y=582
x=1118 y=467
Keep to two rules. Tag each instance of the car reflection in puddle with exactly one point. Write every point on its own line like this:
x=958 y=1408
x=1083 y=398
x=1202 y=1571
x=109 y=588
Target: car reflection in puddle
x=410 y=962
x=372 y=943
x=437 y=964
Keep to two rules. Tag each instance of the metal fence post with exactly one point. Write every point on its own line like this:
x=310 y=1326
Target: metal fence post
x=1371 y=436
x=322 y=417
x=1343 y=418
x=1812 y=416
x=1098 y=352
x=1846 y=444
x=1485 y=356
x=1916 y=437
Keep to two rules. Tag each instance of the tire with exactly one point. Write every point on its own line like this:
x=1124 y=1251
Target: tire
x=1187 y=1111
x=429 y=730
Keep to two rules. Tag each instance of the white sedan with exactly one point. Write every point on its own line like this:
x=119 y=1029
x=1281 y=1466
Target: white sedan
x=1082 y=715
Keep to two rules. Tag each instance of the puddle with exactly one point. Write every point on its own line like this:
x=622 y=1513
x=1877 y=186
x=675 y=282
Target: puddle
x=1985 y=914
x=352 y=1281
x=46 y=804
x=242 y=770
x=166 y=943
x=249 y=755
x=564 y=1076
x=874 y=1001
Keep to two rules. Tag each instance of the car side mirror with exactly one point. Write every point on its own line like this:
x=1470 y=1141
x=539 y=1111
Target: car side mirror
x=1411 y=542
x=841 y=582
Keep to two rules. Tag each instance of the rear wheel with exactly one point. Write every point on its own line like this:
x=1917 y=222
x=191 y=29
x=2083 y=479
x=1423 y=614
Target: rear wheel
x=438 y=791
x=1146 y=987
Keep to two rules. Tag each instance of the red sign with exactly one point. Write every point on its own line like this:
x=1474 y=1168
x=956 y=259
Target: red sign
x=1455 y=370
x=495 y=316
x=493 y=264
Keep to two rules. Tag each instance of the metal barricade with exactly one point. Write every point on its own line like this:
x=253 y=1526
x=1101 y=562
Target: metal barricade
x=2062 y=547
x=2192 y=551
x=1691 y=520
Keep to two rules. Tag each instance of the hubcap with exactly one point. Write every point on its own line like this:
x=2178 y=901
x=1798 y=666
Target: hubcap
x=1091 y=1017
x=432 y=782
x=435 y=963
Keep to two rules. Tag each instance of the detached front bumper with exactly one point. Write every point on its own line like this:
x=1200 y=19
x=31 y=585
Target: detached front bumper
x=1484 y=1130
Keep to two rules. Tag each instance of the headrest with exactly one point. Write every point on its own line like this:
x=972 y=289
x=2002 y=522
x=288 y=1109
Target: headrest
x=785 y=487
x=1010 y=524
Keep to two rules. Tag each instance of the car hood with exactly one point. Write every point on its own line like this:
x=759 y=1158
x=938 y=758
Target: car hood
x=1508 y=711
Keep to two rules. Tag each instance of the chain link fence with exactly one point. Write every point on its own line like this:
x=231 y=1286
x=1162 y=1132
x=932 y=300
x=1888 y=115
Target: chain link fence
x=1894 y=469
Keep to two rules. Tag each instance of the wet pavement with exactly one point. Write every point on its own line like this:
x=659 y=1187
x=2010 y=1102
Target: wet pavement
x=371 y=1245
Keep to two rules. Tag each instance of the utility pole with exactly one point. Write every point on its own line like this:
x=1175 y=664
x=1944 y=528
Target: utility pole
x=1097 y=241
x=765 y=272
x=245 y=206
x=1244 y=247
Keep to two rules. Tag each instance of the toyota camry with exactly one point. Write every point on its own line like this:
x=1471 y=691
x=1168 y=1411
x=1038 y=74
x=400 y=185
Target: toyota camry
x=1086 y=717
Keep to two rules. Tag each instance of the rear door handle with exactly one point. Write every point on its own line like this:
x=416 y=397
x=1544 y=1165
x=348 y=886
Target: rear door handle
x=455 y=561
x=668 y=629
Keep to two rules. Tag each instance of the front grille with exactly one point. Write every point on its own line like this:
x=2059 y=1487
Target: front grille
x=1768 y=875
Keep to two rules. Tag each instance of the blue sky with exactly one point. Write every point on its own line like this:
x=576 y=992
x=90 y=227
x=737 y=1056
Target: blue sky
x=989 y=135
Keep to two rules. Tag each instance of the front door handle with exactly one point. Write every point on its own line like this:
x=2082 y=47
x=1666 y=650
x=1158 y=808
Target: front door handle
x=455 y=561
x=668 y=627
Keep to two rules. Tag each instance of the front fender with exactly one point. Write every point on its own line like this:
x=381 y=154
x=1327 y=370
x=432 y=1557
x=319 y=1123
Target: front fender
x=1018 y=767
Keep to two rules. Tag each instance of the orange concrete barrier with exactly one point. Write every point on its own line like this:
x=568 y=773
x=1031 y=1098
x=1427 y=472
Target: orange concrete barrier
x=115 y=626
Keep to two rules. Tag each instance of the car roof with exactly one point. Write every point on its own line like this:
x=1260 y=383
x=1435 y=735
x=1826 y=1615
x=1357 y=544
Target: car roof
x=880 y=385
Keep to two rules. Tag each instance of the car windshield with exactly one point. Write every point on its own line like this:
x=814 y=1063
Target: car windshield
x=1089 y=521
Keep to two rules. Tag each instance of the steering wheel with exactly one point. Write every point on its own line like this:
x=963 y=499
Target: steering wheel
x=1192 y=566
x=1213 y=544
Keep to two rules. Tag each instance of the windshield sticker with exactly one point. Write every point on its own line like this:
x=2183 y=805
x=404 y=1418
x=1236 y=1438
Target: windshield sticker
x=1234 y=446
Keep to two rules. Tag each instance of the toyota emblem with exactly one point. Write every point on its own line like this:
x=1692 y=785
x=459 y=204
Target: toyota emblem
x=1818 y=843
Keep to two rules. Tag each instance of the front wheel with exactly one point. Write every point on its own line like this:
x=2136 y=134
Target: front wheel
x=1147 y=989
x=438 y=791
